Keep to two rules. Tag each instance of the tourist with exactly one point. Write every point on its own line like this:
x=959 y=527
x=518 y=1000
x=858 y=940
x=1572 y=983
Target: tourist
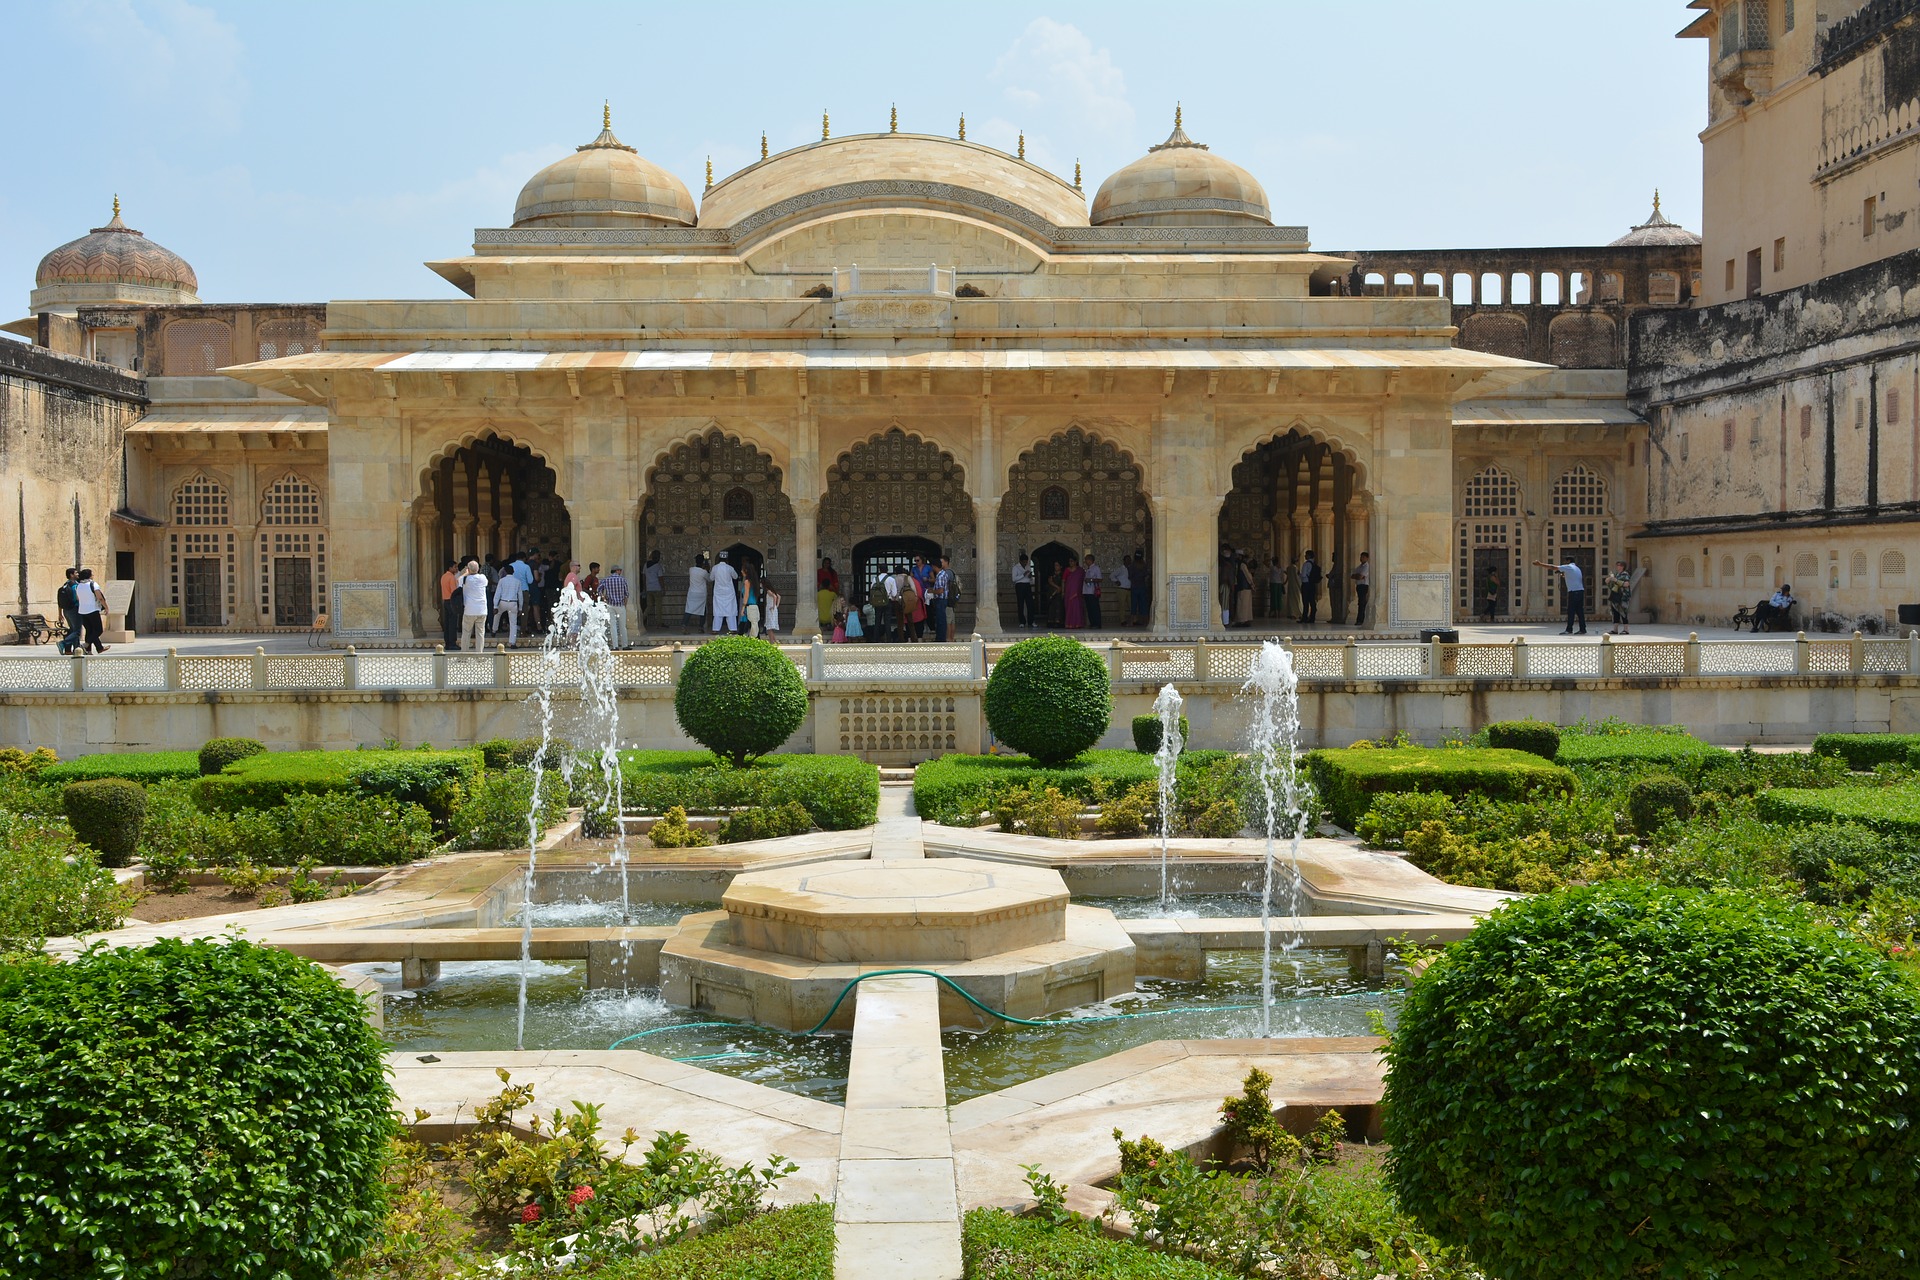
x=1290 y=609
x=770 y=610
x=1123 y=587
x=1778 y=606
x=1141 y=599
x=91 y=604
x=1362 y=584
x=725 y=583
x=473 y=608
x=1619 y=587
x=653 y=591
x=749 y=602
x=450 y=607
x=1243 y=590
x=1090 y=580
x=694 y=612
x=871 y=623
x=1311 y=576
x=826 y=587
x=881 y=610
x=1489 y=596
x=937 y=596
x=1023 y=591
x=67 y=601
x=923 y=585
x=1073 y=585
x=913 y=600
x=614 y=590
x=1057 y=595
x=1276 y=587
x=590 y=585
x=523 y=570
x=1576 y=591
x=508 y=597
x=841 y=616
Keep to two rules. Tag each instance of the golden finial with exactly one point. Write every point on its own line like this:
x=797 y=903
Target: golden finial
x=1656 y=199
x=893 y=119
x=116 y=204
x=1176 y=115
x=763 y=144
x=709 y=172
x=825 y=133
x=606 y=114
x=963 y=126
x=1076 y=173
x=1023 y=144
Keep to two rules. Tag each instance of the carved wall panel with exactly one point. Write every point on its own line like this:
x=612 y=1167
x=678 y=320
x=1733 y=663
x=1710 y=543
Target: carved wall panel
x=710 y=493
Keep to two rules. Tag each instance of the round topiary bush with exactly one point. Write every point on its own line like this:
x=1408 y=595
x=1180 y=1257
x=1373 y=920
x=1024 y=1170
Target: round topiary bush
x=193 y=1108
x=1049 y=698
x=1660 y=1082
x=740 y=698
x=1657 y=799
x=105 y=814
x=1147 y=732
x=217 y=753
x=1536 y=736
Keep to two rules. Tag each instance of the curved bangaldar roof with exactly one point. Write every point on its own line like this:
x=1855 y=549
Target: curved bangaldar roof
x=892 y=170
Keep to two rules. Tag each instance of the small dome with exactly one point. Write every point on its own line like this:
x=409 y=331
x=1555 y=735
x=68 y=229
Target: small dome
x=116 y=254
x=1657 y=229
x=604 y=184
x=1180 y=183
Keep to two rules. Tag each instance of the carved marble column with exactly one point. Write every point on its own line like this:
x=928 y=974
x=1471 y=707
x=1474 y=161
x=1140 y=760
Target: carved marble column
x=426 y=571
x=1157 y=567
x=985 y=588
x=806 y=606
x=1359 y=509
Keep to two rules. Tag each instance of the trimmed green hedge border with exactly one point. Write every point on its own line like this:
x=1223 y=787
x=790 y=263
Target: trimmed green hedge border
x=264 y=781
x=135 y=766
x=999 y=1246
x=795 y=1243
x=1891 y=810
x=1347 y=779
x=840 y=792
x=1862 y=751
x=956 y=789
x=1676 y=753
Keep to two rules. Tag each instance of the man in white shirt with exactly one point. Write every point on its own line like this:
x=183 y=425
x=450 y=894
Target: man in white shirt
x=1023 y=590
x=695 y=610
x=654 y=589
x=726 y=596
x=1090 y=592
x=1123 y=583
x=508 y=595
x=473 y=608
x=1576 y=586
x=895 y=623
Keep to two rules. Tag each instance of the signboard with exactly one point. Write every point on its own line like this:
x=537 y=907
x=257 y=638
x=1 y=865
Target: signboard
x=119 y=597
x=167 y=613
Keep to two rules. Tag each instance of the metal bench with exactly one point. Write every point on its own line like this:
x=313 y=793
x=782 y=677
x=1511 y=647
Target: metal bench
x=30 y=628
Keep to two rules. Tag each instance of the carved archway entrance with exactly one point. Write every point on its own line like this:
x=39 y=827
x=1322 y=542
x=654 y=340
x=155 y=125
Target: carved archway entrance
x=1294 y=493
x=488 y=498
x=713 y=491
x=897 y=489
x=1078 y=490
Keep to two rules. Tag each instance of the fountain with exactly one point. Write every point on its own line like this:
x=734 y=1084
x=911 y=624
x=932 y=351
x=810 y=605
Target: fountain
x=1273 y=735
x=1167 y=757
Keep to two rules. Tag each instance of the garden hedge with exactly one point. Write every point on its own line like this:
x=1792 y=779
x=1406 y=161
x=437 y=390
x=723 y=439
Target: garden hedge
x=1890 y=810
x=793 y=1243
x=999 y=1246
x=105 y=814
x=206 y=1102
x=1862 y=751
x=1634 y=1081
x=1049 y=698
x=217 y=753
x=740 y=697
x=51 y=887
x=1148 y=730
x=136 y=766
x=426 y=778
x=1347 y=779
x=1657 y=799
x=1535 y=737
x=840 y=792
x=957 y=789
x=1672 y=752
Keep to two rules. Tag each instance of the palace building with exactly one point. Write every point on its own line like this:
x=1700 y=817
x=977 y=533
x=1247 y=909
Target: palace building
x=888 y=344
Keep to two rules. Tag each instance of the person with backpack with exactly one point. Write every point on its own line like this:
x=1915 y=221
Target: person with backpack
x=937 y=599
x=1311 y=576
x=67 y=599
x=91 y=604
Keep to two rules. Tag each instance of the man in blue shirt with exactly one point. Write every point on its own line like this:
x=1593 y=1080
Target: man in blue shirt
x=937 y=598
x=1576 y=582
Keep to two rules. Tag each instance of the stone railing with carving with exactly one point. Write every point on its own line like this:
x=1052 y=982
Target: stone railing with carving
x=1879 y=133
x=639 y=672
x=855 y=281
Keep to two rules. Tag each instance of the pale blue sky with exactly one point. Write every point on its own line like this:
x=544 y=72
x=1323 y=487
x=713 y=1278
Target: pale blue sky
x=305 y=151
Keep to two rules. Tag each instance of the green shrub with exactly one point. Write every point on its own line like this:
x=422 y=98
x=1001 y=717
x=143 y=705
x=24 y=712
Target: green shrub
x=1391 y=816
x=841 y=792
x=1532 y=736
x=740 y=697
x=105 y=814
x=794 y=1243
x=342 y=830
x=135 y=766
x=1347 y=780
x=15 y=761
x=26 y=793
x=1148 y=731
x=1862 y=751
x=1889 y=810
x=491 y=812
x=51 y=887
x=1657 y=799
x=1037 y=809
x=789 y=819
x=217 y=1103
x=1747 y=772
x=1049 y=698
x=1251 y=1126
x=1845 y=862
x=999 y=1246
x=426 y=778
x=671 y=831
x=497 y=754
x=1656 y=747
x=1128 y=811
x=217 y=753
x=1629 y=1054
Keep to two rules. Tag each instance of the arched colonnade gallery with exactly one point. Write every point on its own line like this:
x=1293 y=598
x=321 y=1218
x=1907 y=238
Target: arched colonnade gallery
x=889 y=494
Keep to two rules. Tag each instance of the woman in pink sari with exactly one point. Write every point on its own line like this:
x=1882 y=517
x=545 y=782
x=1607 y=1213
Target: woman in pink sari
x=1075 y=579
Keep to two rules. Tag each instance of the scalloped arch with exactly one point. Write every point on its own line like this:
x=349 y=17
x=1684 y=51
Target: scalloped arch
x=423 y=487
x=1333 y=438
x=752 y=439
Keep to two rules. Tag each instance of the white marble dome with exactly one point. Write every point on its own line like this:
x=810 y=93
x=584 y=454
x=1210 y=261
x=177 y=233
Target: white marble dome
x=1180 y=183
x=605 y=183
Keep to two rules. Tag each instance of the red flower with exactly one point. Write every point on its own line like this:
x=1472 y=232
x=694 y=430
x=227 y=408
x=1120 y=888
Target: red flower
x=530 y=1214
x=580 y=1196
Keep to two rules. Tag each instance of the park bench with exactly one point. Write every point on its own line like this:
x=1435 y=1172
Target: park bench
x=30 y=628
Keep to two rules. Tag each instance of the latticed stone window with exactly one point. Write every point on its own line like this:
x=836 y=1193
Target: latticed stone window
x=1580 y=492
x=286 y=338
x=1684 y=571
x=1491 y=492
x=1893 y=564
x=737 y=505
x=1054 y=503
x=197 y=347
x=1857 y=568
x=1806 y=567
x=201 y=501
x=290 y=500
x=1756 y=570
